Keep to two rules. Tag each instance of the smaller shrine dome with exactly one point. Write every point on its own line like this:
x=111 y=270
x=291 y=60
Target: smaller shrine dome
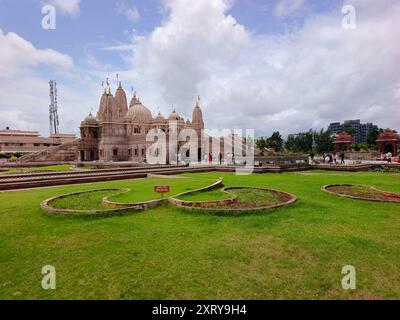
x=343 y=137
x=90 y=120
x=388 y=135
x=159 y=117
x=174 y=116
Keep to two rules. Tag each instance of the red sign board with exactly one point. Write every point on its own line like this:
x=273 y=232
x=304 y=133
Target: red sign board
x=161 y=189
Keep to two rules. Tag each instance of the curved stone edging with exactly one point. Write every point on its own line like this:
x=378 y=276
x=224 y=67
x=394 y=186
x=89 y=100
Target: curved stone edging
x=157 y=201
x=207 y=205
x=325 y=188
x=147 y=204
x=174 y=199
x=118 y=208
x=204 y=204
x=46 y=206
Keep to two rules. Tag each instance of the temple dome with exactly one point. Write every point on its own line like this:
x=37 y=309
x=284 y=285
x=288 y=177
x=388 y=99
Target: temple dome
x=138 y=112
x=90 y=120
x=174 y=116
x=159 y=117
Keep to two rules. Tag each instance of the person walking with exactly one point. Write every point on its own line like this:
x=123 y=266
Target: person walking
x=327 y=159
x=220 y=158
x=389 y=157
x=342 y=158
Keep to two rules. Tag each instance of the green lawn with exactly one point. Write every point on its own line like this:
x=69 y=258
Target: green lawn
x=213 y=194
x=140 y=190
x=246 y=197
x=293 y=252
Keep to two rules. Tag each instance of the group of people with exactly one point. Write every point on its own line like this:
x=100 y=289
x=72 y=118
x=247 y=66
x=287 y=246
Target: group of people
x=209 y=157
x=330 y=158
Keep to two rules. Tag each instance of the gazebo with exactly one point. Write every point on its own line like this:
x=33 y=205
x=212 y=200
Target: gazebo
x=343 y=142
x=388 y=142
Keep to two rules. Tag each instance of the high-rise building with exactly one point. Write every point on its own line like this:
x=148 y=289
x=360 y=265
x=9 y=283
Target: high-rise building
x=360 y=130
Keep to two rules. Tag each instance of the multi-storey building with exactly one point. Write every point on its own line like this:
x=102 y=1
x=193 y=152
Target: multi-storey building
x=360 y=130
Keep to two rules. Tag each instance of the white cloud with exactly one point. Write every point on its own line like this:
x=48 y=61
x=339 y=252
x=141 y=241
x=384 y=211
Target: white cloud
x=120 y=47
x=24 y=100
x=286 y=8
x=130 y=12
x=17 y=54
x=287 y=82
x=321 y=72
x=66 y=6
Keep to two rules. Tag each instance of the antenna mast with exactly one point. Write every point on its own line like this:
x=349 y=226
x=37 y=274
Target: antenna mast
x=53 y=108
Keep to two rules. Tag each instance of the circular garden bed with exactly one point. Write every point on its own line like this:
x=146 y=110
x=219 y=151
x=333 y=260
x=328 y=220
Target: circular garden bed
x=97 y=203
x=234 y=200
x=212 y=199
x=94 y=203
x=362 y=192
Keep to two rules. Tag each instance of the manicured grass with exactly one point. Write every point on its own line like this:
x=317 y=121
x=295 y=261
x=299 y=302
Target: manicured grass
x=248 y=198
x=83 y=201
x=214 y=194
x=364 y=191
x=141 y=190
x=164 y=253
x=65 y=167
x=144 y=191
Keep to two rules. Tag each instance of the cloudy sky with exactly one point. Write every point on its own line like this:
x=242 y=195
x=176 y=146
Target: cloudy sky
x=286 y=65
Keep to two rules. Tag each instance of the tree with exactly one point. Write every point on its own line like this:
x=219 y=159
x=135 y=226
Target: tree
x=275 y=141
x=349 y=130
x=372 y=135
x=301 y=142
x=355 y=147
x=261 y=144
x=323 y=141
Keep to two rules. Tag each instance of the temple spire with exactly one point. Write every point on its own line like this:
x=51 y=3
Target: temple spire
x=119 y=82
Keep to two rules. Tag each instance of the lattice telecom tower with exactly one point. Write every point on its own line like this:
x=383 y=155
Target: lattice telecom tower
x=53 y=108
